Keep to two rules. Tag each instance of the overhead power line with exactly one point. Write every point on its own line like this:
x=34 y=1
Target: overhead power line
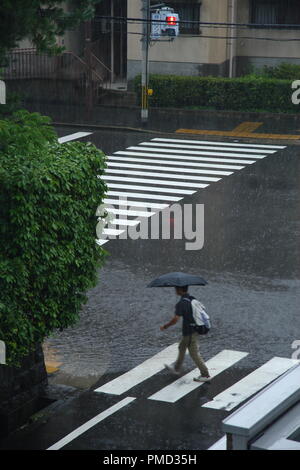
x=203 y=24
x=187 y=36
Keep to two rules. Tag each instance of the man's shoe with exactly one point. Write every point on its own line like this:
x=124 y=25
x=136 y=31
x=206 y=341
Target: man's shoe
x=172 y=369
x=201 y=378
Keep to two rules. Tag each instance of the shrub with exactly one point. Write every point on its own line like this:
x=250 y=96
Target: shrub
x=252 y=93
x=49 y=194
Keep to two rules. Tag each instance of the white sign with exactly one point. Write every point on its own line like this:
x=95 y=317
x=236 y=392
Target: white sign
x=2 y=353
x=155 y=27
x=2 y=92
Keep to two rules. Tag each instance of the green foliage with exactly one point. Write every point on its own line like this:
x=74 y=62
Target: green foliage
x=252 y=93
x=13 y=103
x=283 y=71
x=40 y=21
x=49 y=194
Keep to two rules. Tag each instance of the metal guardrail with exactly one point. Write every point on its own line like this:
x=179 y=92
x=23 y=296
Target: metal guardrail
x=251 y=420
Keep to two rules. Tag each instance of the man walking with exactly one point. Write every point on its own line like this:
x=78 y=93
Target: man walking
x=189 y=336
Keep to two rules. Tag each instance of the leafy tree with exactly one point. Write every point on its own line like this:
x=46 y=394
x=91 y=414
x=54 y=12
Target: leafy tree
x=49 y=194
x=40 y=21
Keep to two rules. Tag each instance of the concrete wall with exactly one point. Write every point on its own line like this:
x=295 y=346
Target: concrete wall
x=21 y=391
x=185 y=55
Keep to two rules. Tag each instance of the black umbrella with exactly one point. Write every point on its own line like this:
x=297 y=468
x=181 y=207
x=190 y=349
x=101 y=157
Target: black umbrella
x=177 y=280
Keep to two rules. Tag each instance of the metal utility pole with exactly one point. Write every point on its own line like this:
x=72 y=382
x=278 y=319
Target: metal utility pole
x=145 y=59
x=89 y=74
x=233 y=32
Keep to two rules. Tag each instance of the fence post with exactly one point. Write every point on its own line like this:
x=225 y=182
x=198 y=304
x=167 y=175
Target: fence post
x=2 y=92
x=2 y=353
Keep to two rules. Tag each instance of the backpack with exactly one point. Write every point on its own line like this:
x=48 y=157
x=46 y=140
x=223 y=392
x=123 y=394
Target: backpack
x=201 y=320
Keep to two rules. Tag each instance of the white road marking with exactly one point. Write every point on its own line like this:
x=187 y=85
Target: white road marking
x=184 y=385
x=77 y=135
x=174 y=169
x=158 y=197
x=101 y=242
x=125 y=222
x=207 y=147
x=250 y=384
x=112 y=231
x=122 y=202
x=153 y=181
x=187 y=158
x=221 y=444
x=129 y=213
x=91 y=423
x=194 y=152
x=151 y=188
x=176 y=162
x=161 y=175
x=229 y=144
x=142 y=372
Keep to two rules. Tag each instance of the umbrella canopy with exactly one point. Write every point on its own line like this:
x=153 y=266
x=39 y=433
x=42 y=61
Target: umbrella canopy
x=177 y=280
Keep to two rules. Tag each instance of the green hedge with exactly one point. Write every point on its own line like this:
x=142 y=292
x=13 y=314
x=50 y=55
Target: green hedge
x=237 y=94
x=49 y=194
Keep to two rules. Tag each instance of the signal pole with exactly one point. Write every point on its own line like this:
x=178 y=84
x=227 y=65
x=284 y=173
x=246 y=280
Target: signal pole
x=145 y=60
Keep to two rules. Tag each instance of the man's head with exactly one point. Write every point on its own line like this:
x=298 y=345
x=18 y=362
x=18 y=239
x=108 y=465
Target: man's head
x=181 y=290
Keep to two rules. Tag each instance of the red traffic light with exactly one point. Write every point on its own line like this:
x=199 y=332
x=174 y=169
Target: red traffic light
x=171 y=20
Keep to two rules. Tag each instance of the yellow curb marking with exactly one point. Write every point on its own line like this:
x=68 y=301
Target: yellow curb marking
x=52 y=366
x=245 y=129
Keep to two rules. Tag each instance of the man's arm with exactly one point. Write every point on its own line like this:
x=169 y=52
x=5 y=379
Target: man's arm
x=171 y=322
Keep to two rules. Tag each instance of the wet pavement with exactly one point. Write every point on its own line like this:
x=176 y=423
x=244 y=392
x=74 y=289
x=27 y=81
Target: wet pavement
x=251 y=259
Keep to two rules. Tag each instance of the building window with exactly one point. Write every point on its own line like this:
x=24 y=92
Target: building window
x=188 y=11
x=274 y=12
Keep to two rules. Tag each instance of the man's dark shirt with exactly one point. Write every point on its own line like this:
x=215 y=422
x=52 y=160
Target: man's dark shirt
x=184 y=309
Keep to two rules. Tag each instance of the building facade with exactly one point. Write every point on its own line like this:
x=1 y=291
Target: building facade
x=201 y=49
x=206 y=50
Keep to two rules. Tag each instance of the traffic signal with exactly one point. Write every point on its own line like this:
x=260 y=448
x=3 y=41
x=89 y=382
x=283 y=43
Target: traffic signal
x=170 y=27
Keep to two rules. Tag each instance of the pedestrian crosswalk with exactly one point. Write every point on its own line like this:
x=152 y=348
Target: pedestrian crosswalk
x=184 y=385
x=149 y=177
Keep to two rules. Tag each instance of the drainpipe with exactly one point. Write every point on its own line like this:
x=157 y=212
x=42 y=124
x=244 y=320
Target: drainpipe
x=233 y=33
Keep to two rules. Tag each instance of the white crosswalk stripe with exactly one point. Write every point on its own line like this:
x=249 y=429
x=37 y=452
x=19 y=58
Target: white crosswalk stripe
x=156 y=197
x=196 y=152
x=251 y=384
x=166 y=170
x=196 y=171
x=205 y=147
x=151 y=188
x=149 y=205
x=140 y=373
x=153 y=181
x=184 y=385
x=76 y=136
x=162 y=175
x=222 y=144
x=130 y=213
x=174 y=162
x=186 y=158
x=91 y=423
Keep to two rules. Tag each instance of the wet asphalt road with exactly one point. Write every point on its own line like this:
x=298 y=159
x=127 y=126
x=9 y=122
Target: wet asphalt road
x=251 y=259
